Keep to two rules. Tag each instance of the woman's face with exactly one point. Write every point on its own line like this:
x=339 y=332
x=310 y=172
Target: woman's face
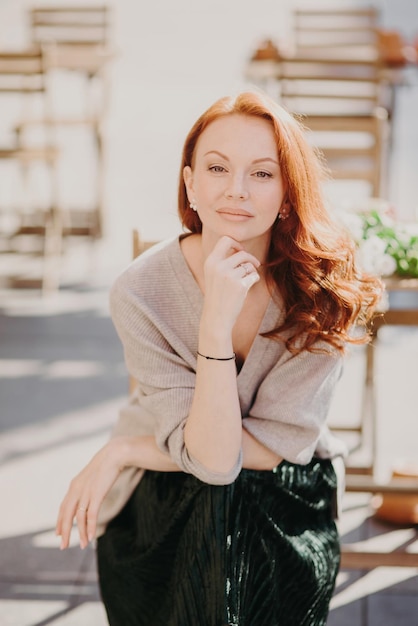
x=236 y=181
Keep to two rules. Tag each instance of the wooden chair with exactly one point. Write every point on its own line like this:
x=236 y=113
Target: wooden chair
x=23 y=87
x=403 y=310
x=140 y=245
x=338 y=80
x=71 y=24
x=76 y=40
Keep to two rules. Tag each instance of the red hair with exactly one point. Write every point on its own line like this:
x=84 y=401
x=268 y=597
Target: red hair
x=311 y=259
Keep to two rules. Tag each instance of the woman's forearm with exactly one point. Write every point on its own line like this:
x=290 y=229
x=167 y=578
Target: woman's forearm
x=143 y=452
x=213 y=430
x=255 y=455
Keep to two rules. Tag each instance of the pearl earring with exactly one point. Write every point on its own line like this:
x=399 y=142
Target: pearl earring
x=284 y=213
x=193 y=205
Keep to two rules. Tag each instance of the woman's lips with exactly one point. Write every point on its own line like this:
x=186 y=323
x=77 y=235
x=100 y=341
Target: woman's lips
x=235 y=214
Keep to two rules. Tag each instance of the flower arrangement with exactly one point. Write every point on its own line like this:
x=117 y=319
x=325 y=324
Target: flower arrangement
x=385 y=246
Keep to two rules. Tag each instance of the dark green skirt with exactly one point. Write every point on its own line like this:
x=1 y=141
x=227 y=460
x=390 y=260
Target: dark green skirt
x=263 y=551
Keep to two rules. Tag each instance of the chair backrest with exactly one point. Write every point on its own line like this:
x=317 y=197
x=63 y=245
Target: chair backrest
x=333 y=27
x=22 y=71
x=333 y=84
x=70 y=24
x=140 y=245
x=23 y=89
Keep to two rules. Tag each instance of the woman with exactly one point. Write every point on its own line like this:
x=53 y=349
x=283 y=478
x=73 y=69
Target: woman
x=235 y=332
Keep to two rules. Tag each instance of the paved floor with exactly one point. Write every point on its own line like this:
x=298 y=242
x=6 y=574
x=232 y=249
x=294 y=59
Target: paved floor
x=62 y=380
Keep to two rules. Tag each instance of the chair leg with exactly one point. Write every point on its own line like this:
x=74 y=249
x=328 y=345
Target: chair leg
x=98 y=218
x=53 y=242
x=52 y=253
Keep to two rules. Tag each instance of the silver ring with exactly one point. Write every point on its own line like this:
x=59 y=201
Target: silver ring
x=245 y=267
x=82 y=508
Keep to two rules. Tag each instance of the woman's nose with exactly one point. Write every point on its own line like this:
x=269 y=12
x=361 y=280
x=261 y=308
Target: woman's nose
x=236 y=189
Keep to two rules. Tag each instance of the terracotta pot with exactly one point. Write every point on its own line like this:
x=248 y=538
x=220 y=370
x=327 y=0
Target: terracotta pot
x=391 y=47
x=399 y=508
x=266 y=52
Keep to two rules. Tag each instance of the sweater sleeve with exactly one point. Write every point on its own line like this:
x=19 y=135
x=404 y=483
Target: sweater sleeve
x=164 y=368
x=292 y=403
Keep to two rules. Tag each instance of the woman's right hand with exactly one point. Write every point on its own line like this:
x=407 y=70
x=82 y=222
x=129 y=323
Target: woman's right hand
x=213 y=430
x=87 y=491
x=229 y=272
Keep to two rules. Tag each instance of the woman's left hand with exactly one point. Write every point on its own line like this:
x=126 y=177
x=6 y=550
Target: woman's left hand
x=87 y=491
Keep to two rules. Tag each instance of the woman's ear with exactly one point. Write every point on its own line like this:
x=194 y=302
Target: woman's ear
x=188 y=181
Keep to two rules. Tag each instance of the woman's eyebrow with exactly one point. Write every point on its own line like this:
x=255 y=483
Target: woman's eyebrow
x=223 y=156
x=266 y=159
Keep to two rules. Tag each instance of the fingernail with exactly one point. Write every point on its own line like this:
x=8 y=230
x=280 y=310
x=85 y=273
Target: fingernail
x=90 y=537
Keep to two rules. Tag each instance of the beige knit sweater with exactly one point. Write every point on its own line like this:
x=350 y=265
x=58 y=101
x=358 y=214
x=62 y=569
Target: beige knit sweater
x=156 y=306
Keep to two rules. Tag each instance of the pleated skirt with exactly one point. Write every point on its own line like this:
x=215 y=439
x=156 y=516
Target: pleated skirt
x=263 y=551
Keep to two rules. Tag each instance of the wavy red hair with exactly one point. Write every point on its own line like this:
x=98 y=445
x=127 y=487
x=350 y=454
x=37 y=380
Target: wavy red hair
x=311 y=259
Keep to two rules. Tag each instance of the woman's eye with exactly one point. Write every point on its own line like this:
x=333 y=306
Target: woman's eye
x=262 y=174
x=216 y=168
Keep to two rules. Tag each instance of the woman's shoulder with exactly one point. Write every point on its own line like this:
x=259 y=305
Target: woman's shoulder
x=158 y=279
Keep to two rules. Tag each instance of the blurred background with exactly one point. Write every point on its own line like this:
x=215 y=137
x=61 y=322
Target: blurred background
x=95 y=105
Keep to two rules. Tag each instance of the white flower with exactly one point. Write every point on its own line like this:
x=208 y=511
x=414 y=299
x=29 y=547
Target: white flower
x=404 y=234
x=387 y=265
x=373 y=257
x=384 y=246
x=370 y=254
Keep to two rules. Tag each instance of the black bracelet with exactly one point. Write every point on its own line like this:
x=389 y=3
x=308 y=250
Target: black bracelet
x=214 y=358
